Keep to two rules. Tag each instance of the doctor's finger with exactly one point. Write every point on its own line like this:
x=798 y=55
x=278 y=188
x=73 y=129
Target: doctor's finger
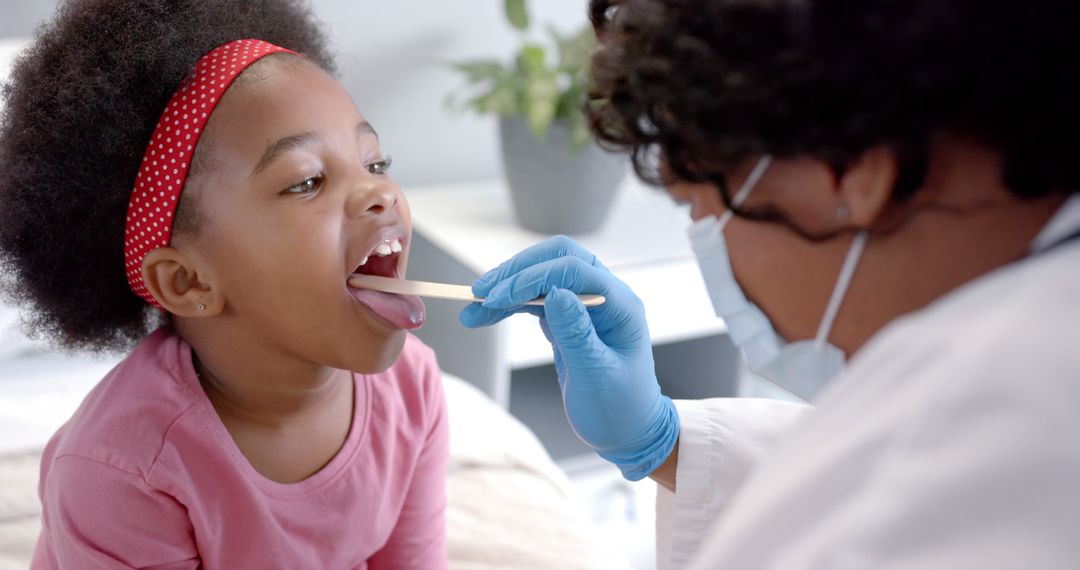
x=573 y=336
x=552 y=248
x=570 y=273
x=475 y=315
x=560 y=366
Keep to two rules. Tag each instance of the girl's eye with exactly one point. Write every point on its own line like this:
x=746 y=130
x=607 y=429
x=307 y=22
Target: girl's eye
x=306 y=187
x=381 y=167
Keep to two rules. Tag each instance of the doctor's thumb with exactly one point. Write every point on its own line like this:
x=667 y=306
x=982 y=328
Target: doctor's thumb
x=570 y=326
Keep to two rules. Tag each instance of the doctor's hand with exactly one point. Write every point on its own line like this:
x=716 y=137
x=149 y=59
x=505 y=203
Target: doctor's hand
x=603 y=354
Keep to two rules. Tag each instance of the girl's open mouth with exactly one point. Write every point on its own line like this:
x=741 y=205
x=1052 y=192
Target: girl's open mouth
x=397 y=311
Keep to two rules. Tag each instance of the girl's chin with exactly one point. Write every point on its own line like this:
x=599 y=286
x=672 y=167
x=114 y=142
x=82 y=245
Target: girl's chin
x=375 y=353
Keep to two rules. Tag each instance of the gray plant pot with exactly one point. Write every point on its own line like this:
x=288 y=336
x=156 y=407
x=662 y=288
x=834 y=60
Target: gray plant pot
x=554 y=189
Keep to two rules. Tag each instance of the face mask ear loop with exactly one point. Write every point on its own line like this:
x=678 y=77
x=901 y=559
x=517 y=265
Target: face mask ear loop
x=842 y=283
x=747 y=186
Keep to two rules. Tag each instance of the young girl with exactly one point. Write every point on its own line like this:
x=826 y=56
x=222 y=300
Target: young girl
x=192 y=167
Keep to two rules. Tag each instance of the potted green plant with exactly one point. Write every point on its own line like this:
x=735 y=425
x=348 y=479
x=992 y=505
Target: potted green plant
x=560 y=181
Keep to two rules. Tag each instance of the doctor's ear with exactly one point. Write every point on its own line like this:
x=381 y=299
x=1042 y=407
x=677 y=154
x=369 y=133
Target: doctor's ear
x=866 y=186
x=179 y=285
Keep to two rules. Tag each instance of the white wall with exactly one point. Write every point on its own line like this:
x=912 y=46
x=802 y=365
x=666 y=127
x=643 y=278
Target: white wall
x=392 y=54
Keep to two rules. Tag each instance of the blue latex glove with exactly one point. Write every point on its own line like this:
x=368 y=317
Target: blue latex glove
x=603 y=354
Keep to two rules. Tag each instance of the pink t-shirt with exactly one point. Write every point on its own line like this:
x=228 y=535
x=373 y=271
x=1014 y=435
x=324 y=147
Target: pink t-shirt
x=145 y=475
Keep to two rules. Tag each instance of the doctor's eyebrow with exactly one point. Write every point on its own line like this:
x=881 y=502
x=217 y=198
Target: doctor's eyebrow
x=289 y=143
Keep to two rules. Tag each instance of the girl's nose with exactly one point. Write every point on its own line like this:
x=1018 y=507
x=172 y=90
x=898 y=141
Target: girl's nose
x=372 y=197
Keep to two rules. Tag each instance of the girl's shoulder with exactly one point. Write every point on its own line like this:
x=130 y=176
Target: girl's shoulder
x=125 y=420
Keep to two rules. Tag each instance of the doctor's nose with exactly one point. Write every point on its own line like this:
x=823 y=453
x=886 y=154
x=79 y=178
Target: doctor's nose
x=372 y=197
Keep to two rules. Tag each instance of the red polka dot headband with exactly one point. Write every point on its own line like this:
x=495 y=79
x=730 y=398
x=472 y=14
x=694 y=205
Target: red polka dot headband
x=164 y=167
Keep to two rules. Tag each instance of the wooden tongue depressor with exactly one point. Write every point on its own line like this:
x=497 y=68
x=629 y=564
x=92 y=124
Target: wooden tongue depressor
x=440 y=290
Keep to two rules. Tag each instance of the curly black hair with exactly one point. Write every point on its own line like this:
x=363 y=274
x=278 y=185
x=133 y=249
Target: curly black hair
x=81 y=105
x=710 y=83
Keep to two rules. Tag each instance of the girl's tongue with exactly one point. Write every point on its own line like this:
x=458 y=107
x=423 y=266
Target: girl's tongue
x=399 y=311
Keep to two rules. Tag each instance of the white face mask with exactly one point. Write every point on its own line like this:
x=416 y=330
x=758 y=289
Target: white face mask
x=801 y=367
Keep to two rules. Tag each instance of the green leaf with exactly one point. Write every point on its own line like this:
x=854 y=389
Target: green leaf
x=541 y=98
x=481 y=70
x=575 y=50
x=580 y=137
x=540 y=90
x=570 y=101
x=570 y=109
x=499 y=101
x=517 y=14
x=533 y=86
x=531 y=59
x=503 y=97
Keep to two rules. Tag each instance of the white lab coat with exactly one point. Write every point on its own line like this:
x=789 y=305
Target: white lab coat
x=952 y=441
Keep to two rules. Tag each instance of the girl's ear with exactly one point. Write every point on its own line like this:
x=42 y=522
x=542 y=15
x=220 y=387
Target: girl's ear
x=175 y=280
x=866 y=185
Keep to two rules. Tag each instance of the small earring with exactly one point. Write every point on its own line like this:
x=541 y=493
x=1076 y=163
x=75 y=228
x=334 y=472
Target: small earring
x=201 y=307
x=842 y=212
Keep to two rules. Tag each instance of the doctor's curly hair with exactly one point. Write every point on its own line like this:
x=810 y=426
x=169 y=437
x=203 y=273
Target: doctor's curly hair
x=81 y=105
x=711 y=83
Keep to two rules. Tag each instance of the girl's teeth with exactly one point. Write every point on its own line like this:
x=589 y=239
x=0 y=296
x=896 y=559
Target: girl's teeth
x=364 y=262
x=395 y=246
x=383 y=249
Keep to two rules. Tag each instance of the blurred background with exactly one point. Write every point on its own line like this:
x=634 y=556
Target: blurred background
x=394 y=59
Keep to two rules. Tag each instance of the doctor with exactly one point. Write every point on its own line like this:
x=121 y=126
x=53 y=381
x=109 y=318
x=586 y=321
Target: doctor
x=885 y=200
